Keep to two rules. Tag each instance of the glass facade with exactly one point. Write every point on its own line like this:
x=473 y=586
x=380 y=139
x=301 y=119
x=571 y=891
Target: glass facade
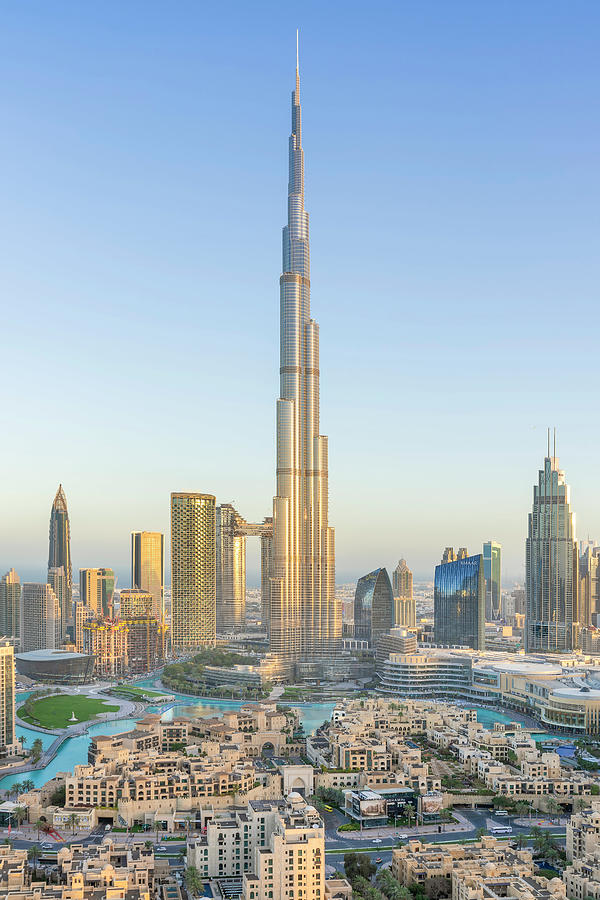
x=459 y=603
x=373 y=606
x=304 y=615
x=59 y=553
x=552 y=565
x=492 y=570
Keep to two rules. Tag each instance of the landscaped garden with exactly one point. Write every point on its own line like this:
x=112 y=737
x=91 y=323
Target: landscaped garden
x=131 y=692
x=57 y=710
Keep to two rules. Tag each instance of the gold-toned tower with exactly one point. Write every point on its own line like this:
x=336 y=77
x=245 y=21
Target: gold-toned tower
x=193 y=570
x=304 y=616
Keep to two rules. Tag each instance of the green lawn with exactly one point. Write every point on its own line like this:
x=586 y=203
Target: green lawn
x=55 y=711
x=130 y=690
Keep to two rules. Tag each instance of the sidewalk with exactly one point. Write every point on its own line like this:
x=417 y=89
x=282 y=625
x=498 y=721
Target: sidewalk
x=462 y=825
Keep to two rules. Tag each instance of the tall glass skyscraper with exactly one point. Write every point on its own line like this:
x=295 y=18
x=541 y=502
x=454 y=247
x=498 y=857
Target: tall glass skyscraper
x=60 y=543
x=552 y=563
x=373 y=606
x=305 y=619
x=459 y=602
x=148 y=567
x=492 y=569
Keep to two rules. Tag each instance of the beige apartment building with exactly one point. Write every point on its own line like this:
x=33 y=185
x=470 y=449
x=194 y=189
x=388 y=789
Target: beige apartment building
x=292 y=865
x=40 y=618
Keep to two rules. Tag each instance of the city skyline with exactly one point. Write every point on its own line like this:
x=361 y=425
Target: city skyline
x=415 y=161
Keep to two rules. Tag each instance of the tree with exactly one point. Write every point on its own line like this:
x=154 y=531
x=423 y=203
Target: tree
x=553 y=806
x=16 y=789
x=358 y=864
x=8 y=842
x=33 y=854
x=40 y=824
x=20 y=813
x=479 y=833
x=193 y=880
x=73 y=821
x=27 y=785
x=408 y=811
x=522 y=807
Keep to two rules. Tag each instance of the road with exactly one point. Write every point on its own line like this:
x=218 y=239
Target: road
x=479 y=818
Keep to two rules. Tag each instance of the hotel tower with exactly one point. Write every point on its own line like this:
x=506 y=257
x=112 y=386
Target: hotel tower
x=552 y=563
x=305 y=620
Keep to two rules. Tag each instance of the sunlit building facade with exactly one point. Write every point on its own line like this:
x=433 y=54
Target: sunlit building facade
x=148 y=566
x=59 y=553
x=373 y=606
x=193 y=570
x=231 y=569
x=96 y=590
x=551 y=564
x=492 y=570
x=459 y=603
x=8 y=738
x=404 y=602
x=58 y=582
x=40 y=617
x=304 y=615
x=10 y=606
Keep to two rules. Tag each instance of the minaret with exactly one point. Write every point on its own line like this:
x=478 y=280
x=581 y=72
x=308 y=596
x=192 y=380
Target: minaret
x=59 y=553
x=305 y=619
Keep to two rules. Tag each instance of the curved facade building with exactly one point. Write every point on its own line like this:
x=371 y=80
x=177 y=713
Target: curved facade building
x=459 y=603
x=373 y=606
x=56 y=666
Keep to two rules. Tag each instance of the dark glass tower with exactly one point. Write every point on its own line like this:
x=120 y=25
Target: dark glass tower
x=459 y=603
x=552 y=563
x=373 y=606
x=60 y=543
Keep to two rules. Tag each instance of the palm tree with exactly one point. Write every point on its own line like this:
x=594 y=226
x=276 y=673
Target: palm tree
x=33 y=854
x=522 y=806
x=40 y=824
x=20 y=813
x=16 y=789
x=73 y=821
x=553 y=806
x=27 y=785
x=8 y=842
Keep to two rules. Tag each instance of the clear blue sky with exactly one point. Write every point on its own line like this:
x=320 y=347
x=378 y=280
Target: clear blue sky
x=452 y=183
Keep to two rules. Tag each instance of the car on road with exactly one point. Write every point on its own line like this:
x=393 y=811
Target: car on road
x=47 y=845
x=501 y=812
x=378 y=860
x=402 y=837
x=328 y=808
x=376 y=840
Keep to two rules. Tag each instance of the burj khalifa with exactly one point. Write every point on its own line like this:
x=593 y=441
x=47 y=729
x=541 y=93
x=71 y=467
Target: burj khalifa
x=305 y=618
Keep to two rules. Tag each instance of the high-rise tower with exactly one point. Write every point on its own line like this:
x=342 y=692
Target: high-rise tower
x=193 y=570
x=552 y=576
x=148 y=567
x=305 y=619
x=492 y=569
x=60 y=543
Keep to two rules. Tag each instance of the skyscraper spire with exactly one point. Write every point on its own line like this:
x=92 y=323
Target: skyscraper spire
x=305 y=618
x=59 y=550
